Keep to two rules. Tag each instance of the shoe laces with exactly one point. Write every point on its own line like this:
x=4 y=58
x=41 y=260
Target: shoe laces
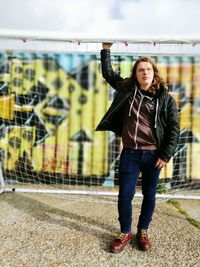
x=120 y=235
x=143 y=233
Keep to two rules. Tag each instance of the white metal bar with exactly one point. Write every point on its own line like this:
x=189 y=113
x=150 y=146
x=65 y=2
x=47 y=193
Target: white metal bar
x=96 y=193
x=64 y=37
x=63 y=42
x=2 y=183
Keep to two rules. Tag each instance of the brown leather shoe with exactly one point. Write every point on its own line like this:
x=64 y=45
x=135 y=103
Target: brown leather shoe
x=143 y=240
x=120 y=242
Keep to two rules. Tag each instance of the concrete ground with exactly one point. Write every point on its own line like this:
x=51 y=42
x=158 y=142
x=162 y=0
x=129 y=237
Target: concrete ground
x=65 y=230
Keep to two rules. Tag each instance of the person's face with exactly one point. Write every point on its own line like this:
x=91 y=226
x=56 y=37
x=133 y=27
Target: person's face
x=144 y=74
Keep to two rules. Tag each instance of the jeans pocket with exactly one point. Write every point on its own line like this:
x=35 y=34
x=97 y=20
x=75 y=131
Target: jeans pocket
x=125 y=168
x=125 y=163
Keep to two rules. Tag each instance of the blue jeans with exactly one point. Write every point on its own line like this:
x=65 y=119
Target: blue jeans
x=132 y=163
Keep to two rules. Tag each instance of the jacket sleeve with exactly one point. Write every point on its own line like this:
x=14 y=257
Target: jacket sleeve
x=172 y=131
x=107 y=71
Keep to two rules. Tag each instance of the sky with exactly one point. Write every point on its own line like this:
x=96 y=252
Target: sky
x=103 y=18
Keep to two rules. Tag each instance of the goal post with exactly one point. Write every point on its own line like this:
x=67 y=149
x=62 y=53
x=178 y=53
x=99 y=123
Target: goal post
x=52 y=96
x=62 y=42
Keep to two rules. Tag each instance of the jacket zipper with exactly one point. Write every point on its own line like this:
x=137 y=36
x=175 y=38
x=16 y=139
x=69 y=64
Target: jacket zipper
x=120 y=104
x=137 y=122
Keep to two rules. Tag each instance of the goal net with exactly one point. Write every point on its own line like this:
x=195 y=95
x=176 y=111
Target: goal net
x=52 y=96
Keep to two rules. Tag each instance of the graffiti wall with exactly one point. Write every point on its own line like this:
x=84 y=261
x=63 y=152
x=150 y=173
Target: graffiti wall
x=50 y=105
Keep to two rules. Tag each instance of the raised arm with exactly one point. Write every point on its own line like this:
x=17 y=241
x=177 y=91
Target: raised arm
x=107 y=45
x=107 y=71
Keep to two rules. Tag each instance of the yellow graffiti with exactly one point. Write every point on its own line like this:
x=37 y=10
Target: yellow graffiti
x=50 y=117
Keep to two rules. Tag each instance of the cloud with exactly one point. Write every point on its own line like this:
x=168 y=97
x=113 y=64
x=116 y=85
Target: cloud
x=172 y=17
x=105 y=18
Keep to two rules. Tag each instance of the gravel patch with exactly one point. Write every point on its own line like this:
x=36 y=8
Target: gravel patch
x=39 y=230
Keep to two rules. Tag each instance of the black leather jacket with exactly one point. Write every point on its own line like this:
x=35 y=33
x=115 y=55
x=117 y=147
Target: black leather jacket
x=166 y=121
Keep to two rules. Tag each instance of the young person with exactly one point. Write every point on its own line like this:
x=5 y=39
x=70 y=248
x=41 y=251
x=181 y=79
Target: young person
x=145 y=115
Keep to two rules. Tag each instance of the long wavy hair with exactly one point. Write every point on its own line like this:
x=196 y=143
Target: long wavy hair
x=157 y=80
